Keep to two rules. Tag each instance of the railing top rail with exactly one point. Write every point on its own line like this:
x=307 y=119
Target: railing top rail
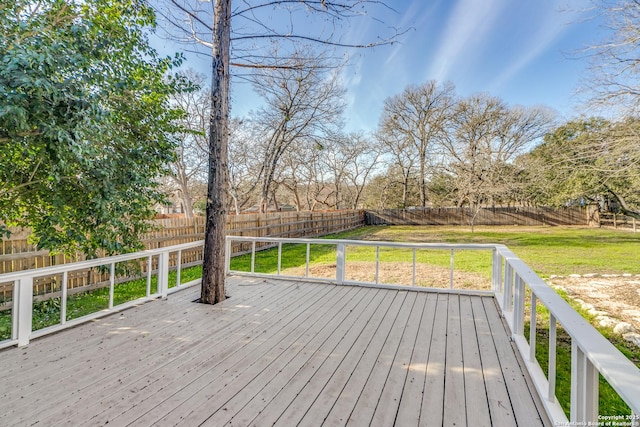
x=619 y=371
x=479 y=246
x=57 y=269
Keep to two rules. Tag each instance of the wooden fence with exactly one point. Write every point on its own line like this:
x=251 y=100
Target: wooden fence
x=619 y=221
x=505 y=216
x=18 y=254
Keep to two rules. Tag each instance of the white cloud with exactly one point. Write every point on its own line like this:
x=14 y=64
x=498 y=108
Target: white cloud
x=467 y=28
x=550 y=26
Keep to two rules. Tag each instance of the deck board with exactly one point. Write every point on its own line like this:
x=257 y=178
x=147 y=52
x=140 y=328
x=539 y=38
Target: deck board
x=411 y=403
x=276 y=353
x=454 y=386
x=389 y=402
x=432 y=408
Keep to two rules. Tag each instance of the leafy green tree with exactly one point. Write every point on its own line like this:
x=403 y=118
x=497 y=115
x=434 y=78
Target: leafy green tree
x=85 y=122
x=589 y=161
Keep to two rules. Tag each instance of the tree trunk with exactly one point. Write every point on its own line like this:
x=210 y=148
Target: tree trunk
x=423 y=181
x=213 y=268
x=187 y=205
x=187 y=202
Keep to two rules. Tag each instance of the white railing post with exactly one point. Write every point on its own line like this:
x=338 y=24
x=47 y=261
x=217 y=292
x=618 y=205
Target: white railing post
x=518 y=309
x=63 y=298
x=178 y=268
x=584 y=387
x=591 y=391
x=551 y=371
x=577 y=383
x=377 y=264
x=508 y=288
x=451 y=265
x=253 y=256
x=533 y=328
x=23 y=306
x=112 y=283
x=496 y=278
x=163 y=274
x=279 y=257
x=306 y=272
x=340 y=262
x=227 y=256
x=149 y=265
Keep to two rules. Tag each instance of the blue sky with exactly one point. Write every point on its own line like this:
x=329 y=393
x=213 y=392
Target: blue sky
x=526 y=52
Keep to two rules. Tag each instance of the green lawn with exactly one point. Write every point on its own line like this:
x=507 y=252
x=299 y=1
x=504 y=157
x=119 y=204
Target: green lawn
x=548 y=250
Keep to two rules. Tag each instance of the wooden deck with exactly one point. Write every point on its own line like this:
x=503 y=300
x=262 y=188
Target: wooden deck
x=281 y=353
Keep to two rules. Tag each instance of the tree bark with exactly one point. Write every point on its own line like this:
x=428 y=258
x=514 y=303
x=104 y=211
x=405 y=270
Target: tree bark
x=213 y=268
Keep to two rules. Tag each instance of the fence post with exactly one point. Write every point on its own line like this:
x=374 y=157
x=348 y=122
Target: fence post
x=163 y=274
x=340 y=263
x=23 y=316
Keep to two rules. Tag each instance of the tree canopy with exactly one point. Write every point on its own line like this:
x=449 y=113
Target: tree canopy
x=85 y=122
x=588 y=161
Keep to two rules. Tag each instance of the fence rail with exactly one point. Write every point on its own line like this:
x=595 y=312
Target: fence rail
x=619 y=221
x=506 y=216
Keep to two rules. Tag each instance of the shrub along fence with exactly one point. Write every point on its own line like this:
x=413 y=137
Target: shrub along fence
x=505 y=216
x=18 y=254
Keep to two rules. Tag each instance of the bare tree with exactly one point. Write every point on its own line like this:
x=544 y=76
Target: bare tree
x=614 y=78
x=213 y=263
x=210 y=26
x=401 y=166
x=244 y=164
x=302 y=174
x=301 y=105
x=189 y=167
x=485 y=138
x=417 y=118
x=349 y=160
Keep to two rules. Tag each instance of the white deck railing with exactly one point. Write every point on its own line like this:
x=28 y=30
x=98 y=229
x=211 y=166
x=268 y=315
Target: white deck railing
x=513 y=283
x=23 y=284
x=591 y=353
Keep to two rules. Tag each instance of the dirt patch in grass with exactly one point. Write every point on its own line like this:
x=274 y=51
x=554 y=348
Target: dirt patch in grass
x=399 y=273
x=618 y=297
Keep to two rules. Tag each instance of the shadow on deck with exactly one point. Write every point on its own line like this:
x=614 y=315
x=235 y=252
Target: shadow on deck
x=277 y=352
